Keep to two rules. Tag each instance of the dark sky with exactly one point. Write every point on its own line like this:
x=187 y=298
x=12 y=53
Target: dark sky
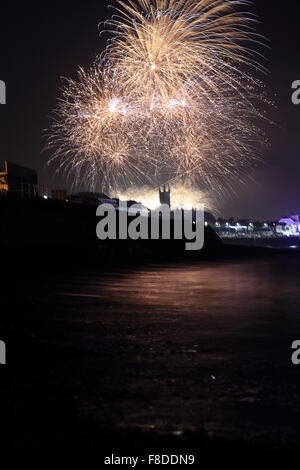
x=44 y=41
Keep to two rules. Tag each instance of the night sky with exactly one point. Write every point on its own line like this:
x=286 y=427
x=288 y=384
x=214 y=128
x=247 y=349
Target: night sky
x=42 y=42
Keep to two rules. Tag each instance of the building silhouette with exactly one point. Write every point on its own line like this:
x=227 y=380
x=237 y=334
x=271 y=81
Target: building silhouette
x=17 y=179
x=165 y=195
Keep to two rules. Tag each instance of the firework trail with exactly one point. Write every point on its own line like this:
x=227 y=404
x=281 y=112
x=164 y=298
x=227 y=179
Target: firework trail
x=171 y=100
x=160 y=47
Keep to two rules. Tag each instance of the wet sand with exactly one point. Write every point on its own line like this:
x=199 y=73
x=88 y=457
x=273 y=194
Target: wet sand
x=191 y=356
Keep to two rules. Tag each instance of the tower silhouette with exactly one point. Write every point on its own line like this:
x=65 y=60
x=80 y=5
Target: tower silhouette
x=165 y=195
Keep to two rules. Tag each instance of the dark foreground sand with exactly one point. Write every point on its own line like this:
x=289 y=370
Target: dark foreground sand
x=179 y=356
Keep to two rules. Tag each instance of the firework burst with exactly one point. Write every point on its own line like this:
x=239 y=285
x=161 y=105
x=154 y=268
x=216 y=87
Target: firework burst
x=169 y=101
x=162 y=47
x=94 y=133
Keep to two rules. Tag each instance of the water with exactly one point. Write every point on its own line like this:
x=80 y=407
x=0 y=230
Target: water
x=174 y=348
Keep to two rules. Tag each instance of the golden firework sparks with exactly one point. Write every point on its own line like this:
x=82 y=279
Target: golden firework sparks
x=171 y=101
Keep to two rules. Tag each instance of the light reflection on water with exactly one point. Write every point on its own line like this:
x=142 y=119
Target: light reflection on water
x=204 y=345
x=232 y=288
